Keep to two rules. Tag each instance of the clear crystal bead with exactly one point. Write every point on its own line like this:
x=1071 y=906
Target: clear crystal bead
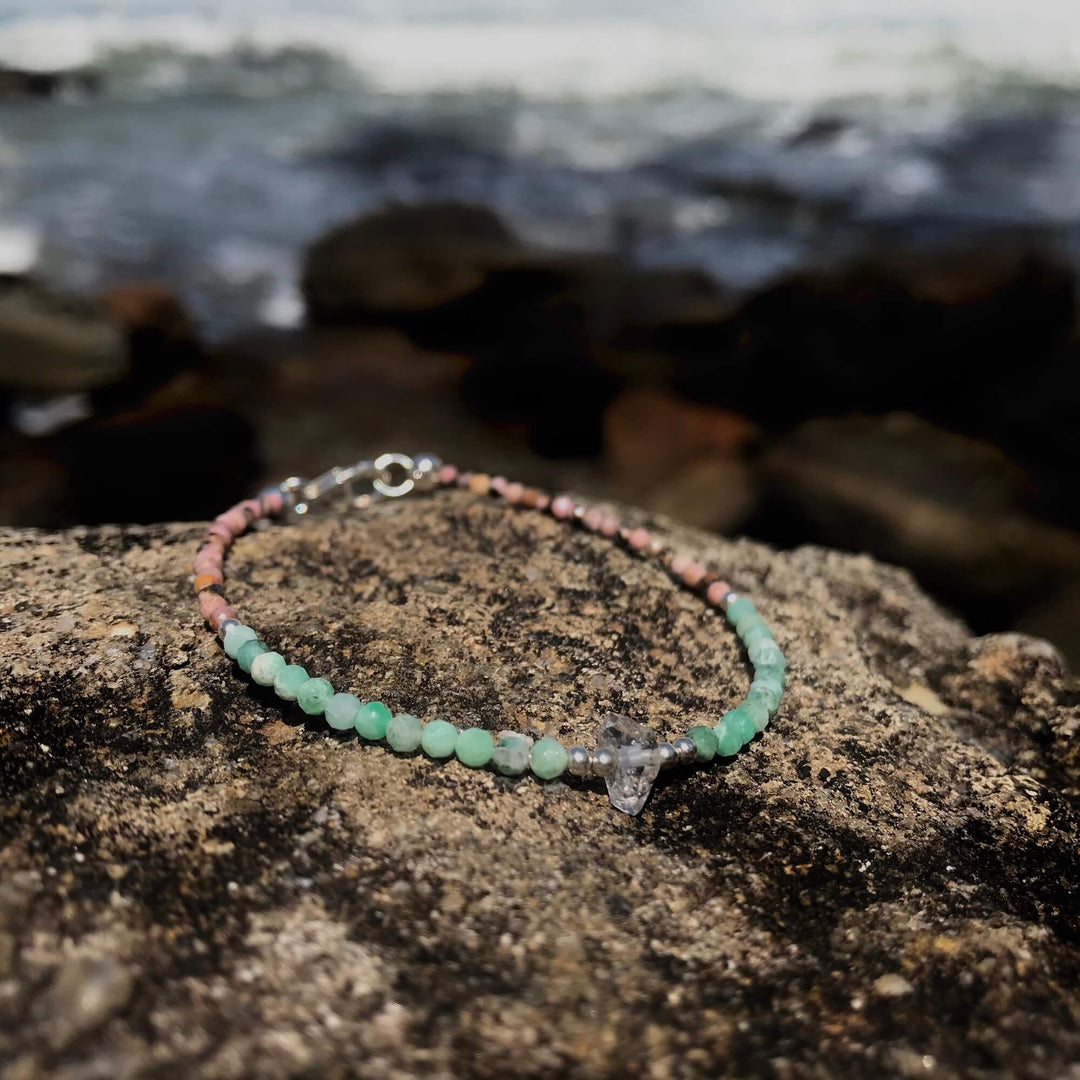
x=637 y=761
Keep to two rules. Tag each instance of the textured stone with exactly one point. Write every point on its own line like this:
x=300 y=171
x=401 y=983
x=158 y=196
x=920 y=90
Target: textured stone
x=196 y=880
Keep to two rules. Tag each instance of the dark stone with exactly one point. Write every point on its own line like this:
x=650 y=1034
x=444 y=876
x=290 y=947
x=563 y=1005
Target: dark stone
x=195 y=879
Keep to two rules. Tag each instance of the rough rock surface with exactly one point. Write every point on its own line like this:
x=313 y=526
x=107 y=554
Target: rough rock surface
x=193 y=882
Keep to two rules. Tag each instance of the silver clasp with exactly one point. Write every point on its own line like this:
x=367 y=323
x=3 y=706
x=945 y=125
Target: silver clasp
x=389 y=476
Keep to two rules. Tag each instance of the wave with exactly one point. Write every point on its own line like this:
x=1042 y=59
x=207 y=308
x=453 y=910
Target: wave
x=759 y=52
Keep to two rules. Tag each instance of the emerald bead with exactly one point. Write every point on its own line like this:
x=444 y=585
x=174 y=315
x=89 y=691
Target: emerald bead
x=340 y=711
x=771 y=671
x=765 y=652
x=314 y=695
x=767 y=698
x=372 y=720
x=752 y=627
x=757 y=710
x=236 y=636
x=404 y=732
x=757 y=634
x=705 y=740
x=548 y=758
x=439 y=739
x=288 y=681
x=768 y=688
x=739 y=609
x=265 y=667
x=247 y=652
x=474 y=747
x=511 y=756
x=733 y=732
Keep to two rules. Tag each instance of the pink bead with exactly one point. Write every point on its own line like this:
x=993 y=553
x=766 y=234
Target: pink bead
x=219 y=616
x=464 y=479
x=235 y=520
x=206 y=563
x=610 y=525
x=593 y=519
x=679 y=563
x=209 y=603
x=447 y=474
x=562 y=507
x=220 y=530
x=498 y=484
x=638 y=539
x=512 y=493
x=543 y=501
x=272 y=503
x=716 y=592
x=694 y=574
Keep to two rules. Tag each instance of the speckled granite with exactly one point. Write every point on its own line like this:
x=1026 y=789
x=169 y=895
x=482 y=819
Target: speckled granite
x=194 y=883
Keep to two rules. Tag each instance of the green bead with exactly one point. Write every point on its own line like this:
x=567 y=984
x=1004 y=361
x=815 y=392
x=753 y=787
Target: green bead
x=738 y=610
x=548 y=758
x=769 y=689
x=340 y=711
x=236 y=636
x=439 y=739
x=771 y=671
x=248 y=651
x=765 y=651
x=288 y=681
x=511 y=756
x=705 y=740
x=733 y=732
x=265 y=667
x=474 y=747
x=404 y=732
x=767 y=698
x=757 y=710
x=372 y=720
x=756 y=634
x=314 y=695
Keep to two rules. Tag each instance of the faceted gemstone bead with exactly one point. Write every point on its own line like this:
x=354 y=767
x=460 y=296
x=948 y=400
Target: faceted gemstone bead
x=765 y=652
x=247 y=653
x=704 y=740
x=768 y=688
x=637 y=761
x=236 y=636
x=314 y=695
x=372 y=720
x=766 y=697
x=439 y=739
x=288 y=681
x=404 y=732
x=265 y=667
x=751 y=627
x=474 y=747
x=770 y=671
x=739 y=610
x=756 y=634
x=757 y=710
x=738 y=730
x=548 y=758
x=340 y=711
x=511 y=756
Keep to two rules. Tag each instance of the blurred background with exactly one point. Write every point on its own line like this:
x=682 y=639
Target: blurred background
x=799 y=269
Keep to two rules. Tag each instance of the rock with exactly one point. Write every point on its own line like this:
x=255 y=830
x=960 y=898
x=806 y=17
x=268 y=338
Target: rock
x=55 y=344
x=16 y=83
x=870 y=887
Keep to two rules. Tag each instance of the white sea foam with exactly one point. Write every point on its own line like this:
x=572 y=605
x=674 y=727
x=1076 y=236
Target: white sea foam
x=773 y=50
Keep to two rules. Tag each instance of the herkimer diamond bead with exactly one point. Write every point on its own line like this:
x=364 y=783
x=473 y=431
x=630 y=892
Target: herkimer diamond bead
x=637 y=761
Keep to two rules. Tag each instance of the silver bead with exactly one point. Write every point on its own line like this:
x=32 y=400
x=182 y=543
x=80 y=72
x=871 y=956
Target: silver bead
x=578 y=764
x=226 y=626
x=426 y=471
x=668 y=757
x=685 y=749
x=603 y=761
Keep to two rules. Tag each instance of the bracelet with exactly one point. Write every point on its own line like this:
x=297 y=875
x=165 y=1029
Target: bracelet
x=628 y=756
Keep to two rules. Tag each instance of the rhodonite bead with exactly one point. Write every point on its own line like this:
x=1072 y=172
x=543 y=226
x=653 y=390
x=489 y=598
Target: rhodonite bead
x=757 y=710
x=474 y=747
x=510 y=756
x=235 y=637
x=314 y=695
x=372 y=720
x=265 y=667
x=548 y=758
x=247 y=652
x=404 y=733
x=288 y=681
x=705 y=741
x=439 y=739
x=340 y=711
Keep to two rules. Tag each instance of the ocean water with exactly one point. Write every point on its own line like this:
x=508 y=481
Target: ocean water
x=750 y=138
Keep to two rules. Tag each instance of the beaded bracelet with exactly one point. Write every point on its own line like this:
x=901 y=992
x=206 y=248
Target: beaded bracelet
x=627 y=756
